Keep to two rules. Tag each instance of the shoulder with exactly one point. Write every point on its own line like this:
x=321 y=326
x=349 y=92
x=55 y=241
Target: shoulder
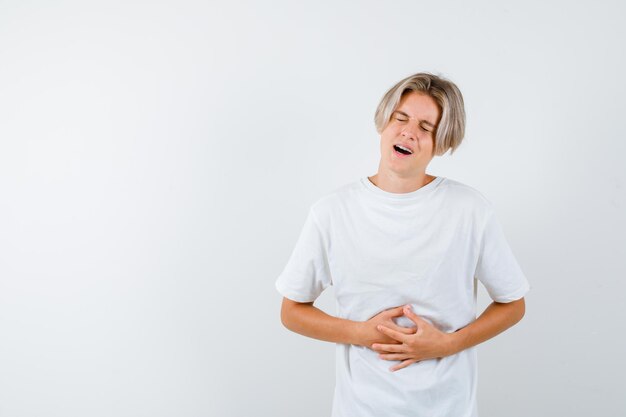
x=336 y=199
x=465 y=196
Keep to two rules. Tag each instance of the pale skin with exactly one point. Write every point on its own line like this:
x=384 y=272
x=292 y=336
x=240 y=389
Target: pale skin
x=413 y=124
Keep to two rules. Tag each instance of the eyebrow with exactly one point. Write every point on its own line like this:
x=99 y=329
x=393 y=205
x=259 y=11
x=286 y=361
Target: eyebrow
x=421 y=121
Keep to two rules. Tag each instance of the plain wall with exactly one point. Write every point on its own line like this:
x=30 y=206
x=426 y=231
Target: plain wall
x=157 y=160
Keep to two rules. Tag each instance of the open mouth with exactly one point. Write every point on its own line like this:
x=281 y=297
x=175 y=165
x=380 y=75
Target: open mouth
x=402 y=150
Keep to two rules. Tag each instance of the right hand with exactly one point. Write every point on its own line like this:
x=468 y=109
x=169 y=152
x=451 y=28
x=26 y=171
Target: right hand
x=368 y=333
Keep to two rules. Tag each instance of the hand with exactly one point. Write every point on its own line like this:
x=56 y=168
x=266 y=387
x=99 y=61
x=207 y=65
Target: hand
x=427 y=342
x=369 y=334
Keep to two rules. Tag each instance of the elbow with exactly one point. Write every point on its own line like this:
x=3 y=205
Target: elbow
x=520 y=309
x=514 y=310
x=284 y=316
x=286 y=313
x=289 y=312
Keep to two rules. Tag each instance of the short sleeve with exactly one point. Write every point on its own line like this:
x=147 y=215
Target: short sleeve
x=307 y=272
x=497 y=268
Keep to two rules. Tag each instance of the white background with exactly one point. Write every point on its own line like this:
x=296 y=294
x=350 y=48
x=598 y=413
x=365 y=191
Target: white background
x=157 y=160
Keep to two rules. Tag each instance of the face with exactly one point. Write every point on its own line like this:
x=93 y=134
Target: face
x=412 y=125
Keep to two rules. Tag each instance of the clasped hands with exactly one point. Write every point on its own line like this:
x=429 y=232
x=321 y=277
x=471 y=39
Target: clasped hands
x=406 y=344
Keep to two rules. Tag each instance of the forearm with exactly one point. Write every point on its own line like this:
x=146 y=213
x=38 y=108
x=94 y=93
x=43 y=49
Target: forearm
x=496 y=318
x=310 y=321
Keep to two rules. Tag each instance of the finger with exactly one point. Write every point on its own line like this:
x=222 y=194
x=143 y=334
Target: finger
x=408 y=311
x=396 y=311
x=405 y=330
x=394 y=356
x=404 y=364
x=379 y=347
x=392 y=333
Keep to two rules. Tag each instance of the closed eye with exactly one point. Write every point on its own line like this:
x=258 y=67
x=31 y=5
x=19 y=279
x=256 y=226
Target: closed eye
x=402 y=118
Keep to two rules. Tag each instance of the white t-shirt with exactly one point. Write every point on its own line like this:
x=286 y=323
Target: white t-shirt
x=381 y=250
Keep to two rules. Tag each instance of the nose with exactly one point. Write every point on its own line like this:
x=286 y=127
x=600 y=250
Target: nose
x=409 y=133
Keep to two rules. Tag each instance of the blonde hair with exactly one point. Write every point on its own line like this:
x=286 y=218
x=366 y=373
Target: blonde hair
x=451 y=128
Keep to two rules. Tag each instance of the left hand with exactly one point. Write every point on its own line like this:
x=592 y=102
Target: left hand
x=427 y=343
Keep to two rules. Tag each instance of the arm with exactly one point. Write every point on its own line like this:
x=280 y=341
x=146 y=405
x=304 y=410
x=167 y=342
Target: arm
x=496 y=318
x=430 y=343
x=307 y=320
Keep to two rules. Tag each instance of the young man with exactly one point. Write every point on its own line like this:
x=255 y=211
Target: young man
x=404 y=250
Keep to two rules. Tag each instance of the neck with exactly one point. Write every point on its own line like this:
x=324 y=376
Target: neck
x=393 y=183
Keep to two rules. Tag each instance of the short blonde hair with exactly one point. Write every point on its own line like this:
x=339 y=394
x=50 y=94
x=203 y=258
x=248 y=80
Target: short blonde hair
x=451 y=128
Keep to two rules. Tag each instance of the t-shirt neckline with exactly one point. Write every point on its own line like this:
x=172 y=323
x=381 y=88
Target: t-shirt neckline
x=410 y=196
